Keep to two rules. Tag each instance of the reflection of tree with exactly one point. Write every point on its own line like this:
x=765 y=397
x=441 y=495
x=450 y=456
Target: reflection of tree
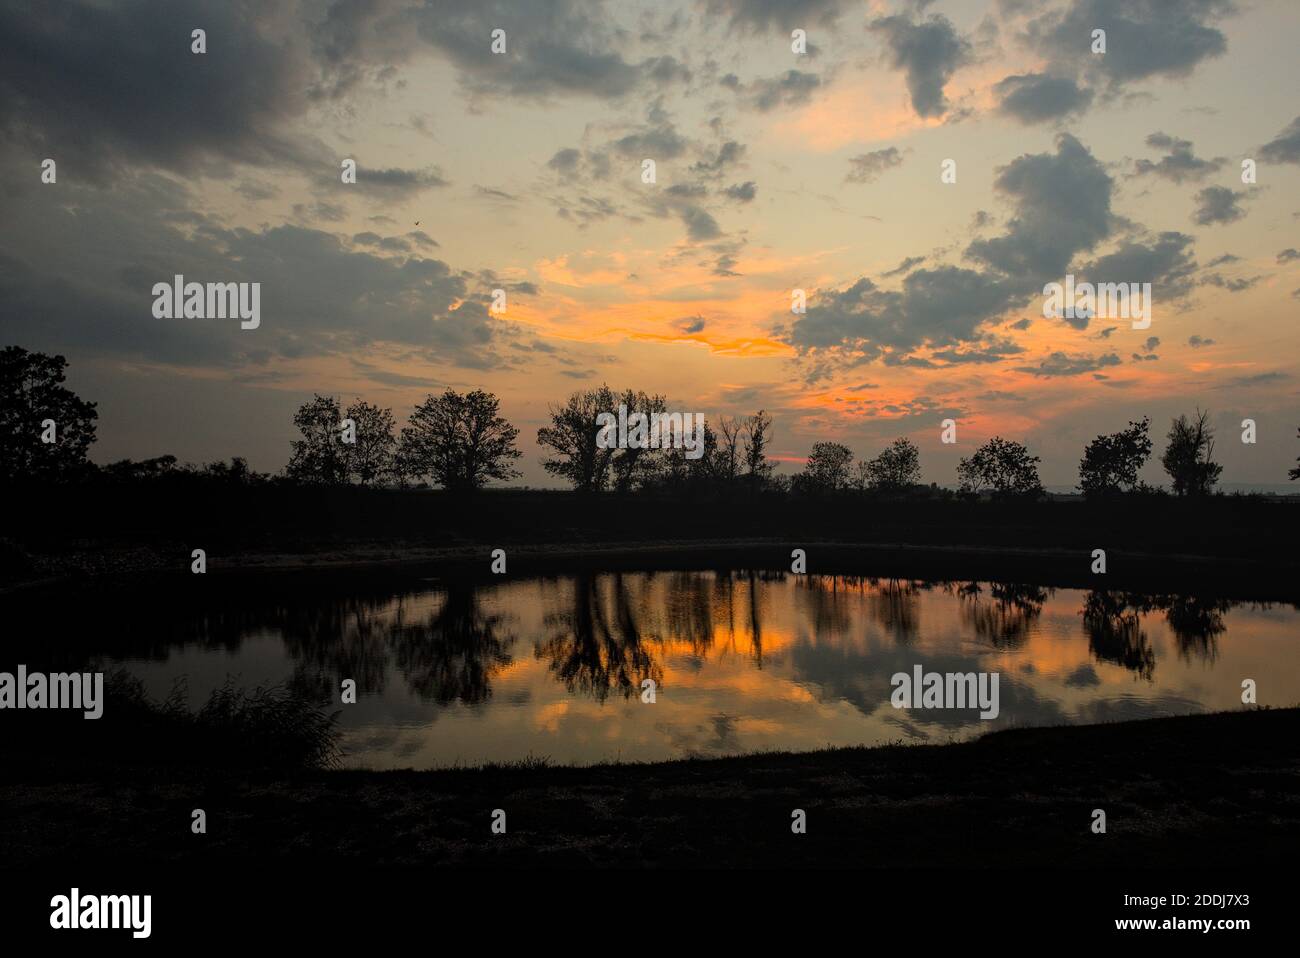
x=896 y=606
x=331 y=641
x=589 y=654
x=454 y=654
x=1197 y=623
x=1113 y=621
x=688 y=610
x=1005 y=620
x=827 y=600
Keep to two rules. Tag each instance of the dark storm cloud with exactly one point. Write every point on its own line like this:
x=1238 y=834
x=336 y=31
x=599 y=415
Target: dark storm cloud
x=867 y=167
x=1180 y=164
x=1218 y=204
x=1039 y=98
x=101 y=86
x=928 y=53
x=1285 y=147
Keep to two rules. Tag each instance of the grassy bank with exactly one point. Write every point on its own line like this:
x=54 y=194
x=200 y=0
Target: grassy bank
x=1203 y=791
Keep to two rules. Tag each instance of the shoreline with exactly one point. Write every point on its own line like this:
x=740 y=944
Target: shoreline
x=411 y=564
x=1199 y=790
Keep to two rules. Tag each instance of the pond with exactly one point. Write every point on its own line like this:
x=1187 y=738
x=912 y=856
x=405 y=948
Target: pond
x=461 y=673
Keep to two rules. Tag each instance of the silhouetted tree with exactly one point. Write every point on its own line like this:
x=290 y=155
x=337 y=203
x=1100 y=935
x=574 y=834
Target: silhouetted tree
x=634 y=465
x=1295 y=473
x=1189 y=456
x=828 y=467
x=144 y=470
x=236 y=472
x=1110 y=464
x=897 y=467
x=572 y=435
x=757 y=437
x=1003 y=466
x=372 y=457
x=319 y=457
x=727 y=461
x=32 y=392
x=459 y=441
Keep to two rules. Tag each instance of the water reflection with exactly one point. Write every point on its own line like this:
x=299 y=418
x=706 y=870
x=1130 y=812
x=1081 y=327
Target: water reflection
x=741 y=660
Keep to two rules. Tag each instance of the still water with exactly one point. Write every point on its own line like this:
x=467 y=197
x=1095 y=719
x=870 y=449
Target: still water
x=742 y=661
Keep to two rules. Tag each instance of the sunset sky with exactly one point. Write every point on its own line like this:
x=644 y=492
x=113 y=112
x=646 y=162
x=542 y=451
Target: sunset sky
x=774 y=171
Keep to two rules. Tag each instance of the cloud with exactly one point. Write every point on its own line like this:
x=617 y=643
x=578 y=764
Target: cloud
x=689 y=324
x=559 y=48
x=1048 y=190
x=1257 y=379
x=945 y=306
x=792 y=88
x=700 y=224
x=1144 y=38
x=84 y=281
x=729 y=154
x=107 y=86
x=658 y=143
x=1039 y=97
x=928 y=53
x=394 y=184
x=1179 y=165
x=1231 y=285
x=1223 y=260
x=1285 y=147
x=741 y=192
x=867 y=167
x=1288 y=255
x=937 y=307
x=905 y=266
x=492 y=193
x=779 y=16
x=1166 y=262
x=1218 y=204
x=1063 y=364
x=1196 y=342
x=565 y=161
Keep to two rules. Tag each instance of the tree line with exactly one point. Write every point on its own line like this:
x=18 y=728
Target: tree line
x=460 y=442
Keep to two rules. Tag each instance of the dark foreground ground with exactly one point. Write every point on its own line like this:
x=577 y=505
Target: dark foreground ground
x=1200 y=791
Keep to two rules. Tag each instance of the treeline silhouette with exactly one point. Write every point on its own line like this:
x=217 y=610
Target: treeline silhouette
x=460 y=442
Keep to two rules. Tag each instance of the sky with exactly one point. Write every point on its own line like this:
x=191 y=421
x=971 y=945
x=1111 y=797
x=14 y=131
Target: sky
x=775 y=169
